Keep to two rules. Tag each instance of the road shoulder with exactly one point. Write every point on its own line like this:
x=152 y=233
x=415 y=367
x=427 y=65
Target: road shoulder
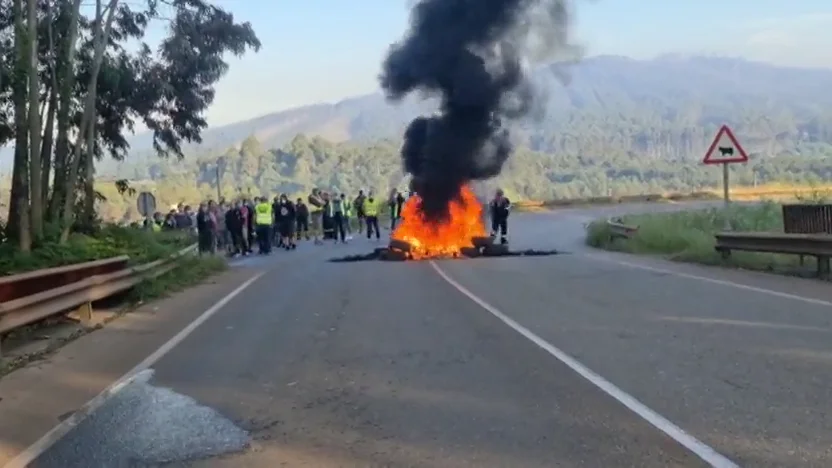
x=802 y=289
x=39 y=396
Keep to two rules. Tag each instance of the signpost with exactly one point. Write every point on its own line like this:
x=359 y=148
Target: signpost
x=725 y=150
x=146 y=204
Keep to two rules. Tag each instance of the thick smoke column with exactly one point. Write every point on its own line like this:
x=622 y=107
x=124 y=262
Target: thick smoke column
x=472 y=54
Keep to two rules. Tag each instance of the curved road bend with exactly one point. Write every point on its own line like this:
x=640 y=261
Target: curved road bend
x=380 y=364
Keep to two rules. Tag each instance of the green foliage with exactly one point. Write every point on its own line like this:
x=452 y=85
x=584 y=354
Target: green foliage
x=111 y=241
x=689 y=235
x=189 y=271
x=347 y=167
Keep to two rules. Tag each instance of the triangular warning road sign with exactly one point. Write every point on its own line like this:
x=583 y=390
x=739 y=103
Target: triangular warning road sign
x=725 y=149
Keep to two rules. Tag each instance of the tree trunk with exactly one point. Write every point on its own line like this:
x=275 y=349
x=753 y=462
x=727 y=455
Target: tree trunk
x=46 y=146
x=18 y=224
x=66 y=79
x=49 y=128
x=99 y=43
x=89 y=179
x=36 y=212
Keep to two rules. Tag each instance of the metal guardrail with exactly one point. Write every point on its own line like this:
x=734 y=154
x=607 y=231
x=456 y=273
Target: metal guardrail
x=31 y=282
x=79 y=295
x=619 y=230
x=807 y=219
x=810 y=245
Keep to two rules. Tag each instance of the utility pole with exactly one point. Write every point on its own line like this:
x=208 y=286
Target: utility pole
x=219 y=182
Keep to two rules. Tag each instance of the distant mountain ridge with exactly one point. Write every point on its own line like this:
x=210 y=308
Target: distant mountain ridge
x=621 y=126
x=709 y=90
x=771 y=104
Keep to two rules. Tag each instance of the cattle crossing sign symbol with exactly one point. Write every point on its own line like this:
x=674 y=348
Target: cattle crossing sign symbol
x=725 y=149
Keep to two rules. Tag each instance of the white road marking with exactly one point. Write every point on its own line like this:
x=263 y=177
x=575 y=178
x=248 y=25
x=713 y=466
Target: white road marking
x=700 y=449
x=31 y=453
x=732 y=284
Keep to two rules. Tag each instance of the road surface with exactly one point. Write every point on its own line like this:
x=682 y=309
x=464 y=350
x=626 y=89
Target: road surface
x=586 y=359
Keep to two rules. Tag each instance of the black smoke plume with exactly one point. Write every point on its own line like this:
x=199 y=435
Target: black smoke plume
x=473 y=55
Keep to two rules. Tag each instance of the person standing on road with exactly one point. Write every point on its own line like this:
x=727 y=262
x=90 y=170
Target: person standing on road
x=338 y=219
x=263 y=219
x=316 y=203
x=371 y=212
x=327 y=218
x=247 y=226
x=348 y=209
x=213 y=224
x=500 y=207
x=234 y=226
x=302 y=219
x=395 y=204
x=223 y=236
x=358 y=203
x=277 y=239
x=286 y=216
x=204 y=229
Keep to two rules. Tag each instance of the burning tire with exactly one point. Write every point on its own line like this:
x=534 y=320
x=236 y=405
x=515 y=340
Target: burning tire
x=495 y=250
x=394 y=256
x=482 y=241
x=400 y=245
x=470 y=252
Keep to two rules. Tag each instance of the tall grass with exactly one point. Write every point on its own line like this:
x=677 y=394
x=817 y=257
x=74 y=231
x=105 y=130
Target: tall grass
x=689 y=235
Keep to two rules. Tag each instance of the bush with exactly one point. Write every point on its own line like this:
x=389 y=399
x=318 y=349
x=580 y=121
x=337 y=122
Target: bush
x=110 y=241
x=689 y=235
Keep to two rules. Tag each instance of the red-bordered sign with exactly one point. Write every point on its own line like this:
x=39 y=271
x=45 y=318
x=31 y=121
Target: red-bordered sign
x=725 y=149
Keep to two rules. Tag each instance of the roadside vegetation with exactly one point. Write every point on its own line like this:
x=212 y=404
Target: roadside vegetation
x=806 y=193
x=109 y=241
x=688 y=236
x=190 y=270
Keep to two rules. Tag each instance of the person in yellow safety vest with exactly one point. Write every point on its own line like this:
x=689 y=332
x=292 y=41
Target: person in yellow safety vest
x=263 y=219
x=154 y=223
x=347 y=215
x=371 y=212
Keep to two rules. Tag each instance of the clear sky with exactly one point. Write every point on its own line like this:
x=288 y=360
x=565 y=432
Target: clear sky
x=325 y=50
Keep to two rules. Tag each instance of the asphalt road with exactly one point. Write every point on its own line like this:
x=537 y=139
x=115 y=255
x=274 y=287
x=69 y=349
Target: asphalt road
x=325 y=364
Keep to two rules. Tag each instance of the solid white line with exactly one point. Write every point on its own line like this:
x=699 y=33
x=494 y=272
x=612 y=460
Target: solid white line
x=31 y=453
x=705 y=452
x=746 y=287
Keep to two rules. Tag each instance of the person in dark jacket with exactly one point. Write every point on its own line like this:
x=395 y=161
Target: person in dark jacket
x=327 y=224
x=358 y=204
x=286 y=224
x=205 y=224
x=500 y=207
x=278 y=238
x=395 y=203
x=234 y=225
x=301 y=219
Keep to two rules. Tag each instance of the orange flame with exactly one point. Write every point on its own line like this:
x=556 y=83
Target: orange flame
x=429 y=239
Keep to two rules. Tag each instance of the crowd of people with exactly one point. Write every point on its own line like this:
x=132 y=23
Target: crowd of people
x=234 y=227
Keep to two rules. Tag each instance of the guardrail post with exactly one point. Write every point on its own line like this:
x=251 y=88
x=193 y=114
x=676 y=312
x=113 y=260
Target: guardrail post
x=823 y=267
x=85 y=313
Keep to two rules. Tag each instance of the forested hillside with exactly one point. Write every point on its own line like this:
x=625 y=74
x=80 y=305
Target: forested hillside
x=620 y=126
